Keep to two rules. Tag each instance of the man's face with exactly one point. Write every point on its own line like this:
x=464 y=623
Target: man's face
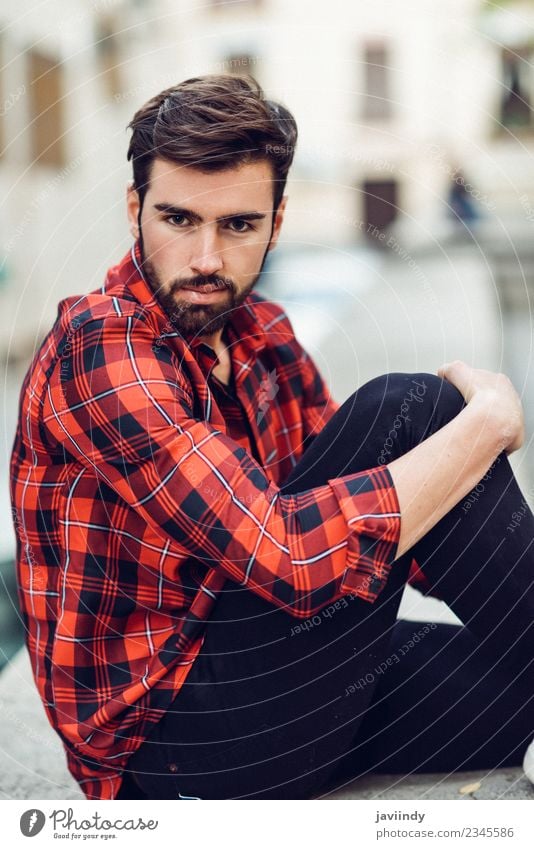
x=204 y=238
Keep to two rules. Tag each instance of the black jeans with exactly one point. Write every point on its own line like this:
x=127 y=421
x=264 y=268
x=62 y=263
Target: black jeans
x=278 y=708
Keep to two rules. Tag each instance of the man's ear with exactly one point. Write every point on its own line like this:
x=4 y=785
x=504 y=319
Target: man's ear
x=133 y=204
x=277 y=226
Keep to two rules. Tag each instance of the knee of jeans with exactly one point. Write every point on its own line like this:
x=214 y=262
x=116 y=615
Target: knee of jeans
x=447 y=399
x=421 y=388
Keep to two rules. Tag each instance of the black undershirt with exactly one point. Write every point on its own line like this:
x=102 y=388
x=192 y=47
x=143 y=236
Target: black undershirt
x=228 y=401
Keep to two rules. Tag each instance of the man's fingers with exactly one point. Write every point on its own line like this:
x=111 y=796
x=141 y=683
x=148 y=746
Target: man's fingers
x=460 y=375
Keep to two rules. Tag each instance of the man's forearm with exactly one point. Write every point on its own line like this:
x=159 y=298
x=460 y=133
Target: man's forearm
x=435 y=475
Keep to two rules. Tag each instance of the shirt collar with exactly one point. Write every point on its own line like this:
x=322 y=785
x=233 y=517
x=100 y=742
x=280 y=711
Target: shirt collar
x=245 y=321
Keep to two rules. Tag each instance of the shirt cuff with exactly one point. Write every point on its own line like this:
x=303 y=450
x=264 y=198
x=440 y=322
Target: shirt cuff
x=370 y=506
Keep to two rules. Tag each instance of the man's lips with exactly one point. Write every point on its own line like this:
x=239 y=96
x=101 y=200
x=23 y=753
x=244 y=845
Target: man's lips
x=203 y=294
x=207 y=288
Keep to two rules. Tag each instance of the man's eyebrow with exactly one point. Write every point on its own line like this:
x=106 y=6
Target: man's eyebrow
x=170 y=209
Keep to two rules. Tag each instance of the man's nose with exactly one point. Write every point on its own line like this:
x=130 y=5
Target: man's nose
x=206 y=258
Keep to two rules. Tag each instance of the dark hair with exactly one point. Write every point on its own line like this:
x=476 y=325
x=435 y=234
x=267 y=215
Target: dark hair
x=214 y=123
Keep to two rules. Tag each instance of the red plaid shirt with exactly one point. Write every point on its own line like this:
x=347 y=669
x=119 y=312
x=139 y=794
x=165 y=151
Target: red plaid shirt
x=135 y=499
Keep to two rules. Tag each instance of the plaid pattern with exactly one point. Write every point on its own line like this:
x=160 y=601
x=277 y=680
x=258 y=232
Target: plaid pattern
x=133 y=505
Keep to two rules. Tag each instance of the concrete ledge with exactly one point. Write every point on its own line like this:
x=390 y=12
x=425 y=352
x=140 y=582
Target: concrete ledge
x=33 y=758
x=508 y=783
x=34 y=766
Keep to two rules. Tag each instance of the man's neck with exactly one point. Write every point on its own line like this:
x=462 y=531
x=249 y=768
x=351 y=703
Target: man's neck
x=214 y=340
x=223 y=370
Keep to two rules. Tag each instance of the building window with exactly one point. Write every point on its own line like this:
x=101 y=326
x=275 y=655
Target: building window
x=376 y=103
x=47 y=125
x=380 y=206
x=516 y=88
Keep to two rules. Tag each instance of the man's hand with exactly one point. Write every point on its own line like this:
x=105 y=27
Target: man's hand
x=494 y=393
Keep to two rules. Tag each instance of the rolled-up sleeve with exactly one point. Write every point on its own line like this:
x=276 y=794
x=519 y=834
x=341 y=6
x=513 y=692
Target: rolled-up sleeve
x=122 y=407
x=370 y=506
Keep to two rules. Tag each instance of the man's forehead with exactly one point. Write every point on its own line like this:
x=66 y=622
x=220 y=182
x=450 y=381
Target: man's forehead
x=252 y=180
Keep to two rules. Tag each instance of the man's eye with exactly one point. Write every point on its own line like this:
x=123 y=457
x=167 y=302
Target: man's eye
x=241 y=221
x=172 y=219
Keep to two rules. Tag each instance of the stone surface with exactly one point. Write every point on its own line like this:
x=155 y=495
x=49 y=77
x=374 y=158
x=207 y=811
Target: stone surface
x=34 y=766
x=32 y=756
x=508 y=783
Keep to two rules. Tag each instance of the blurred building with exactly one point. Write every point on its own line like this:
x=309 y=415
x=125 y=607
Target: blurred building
x=392 y=102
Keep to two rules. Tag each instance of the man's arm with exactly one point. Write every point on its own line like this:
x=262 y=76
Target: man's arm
x=318 y=407
x=435 y=475
x=120 y=406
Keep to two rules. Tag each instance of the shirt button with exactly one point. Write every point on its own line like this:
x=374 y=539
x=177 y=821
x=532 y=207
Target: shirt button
x=173 y=767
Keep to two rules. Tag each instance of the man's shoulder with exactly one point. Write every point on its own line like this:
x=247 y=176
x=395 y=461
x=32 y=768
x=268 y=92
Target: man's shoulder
x=100 y=305
x=77 y=313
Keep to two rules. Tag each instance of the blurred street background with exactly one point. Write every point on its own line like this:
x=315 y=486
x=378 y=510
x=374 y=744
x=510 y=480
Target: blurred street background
x=408 y=237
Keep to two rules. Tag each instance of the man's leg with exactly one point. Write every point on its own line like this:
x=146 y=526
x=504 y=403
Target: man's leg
x=263 y=713
x=441 y=705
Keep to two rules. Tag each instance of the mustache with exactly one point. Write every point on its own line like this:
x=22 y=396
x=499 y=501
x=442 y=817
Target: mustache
x=200 y=280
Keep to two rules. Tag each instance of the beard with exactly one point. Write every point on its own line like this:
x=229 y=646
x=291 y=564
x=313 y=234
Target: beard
x=194 y=318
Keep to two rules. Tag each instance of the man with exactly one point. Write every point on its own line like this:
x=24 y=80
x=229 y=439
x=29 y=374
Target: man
x=211 y=551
